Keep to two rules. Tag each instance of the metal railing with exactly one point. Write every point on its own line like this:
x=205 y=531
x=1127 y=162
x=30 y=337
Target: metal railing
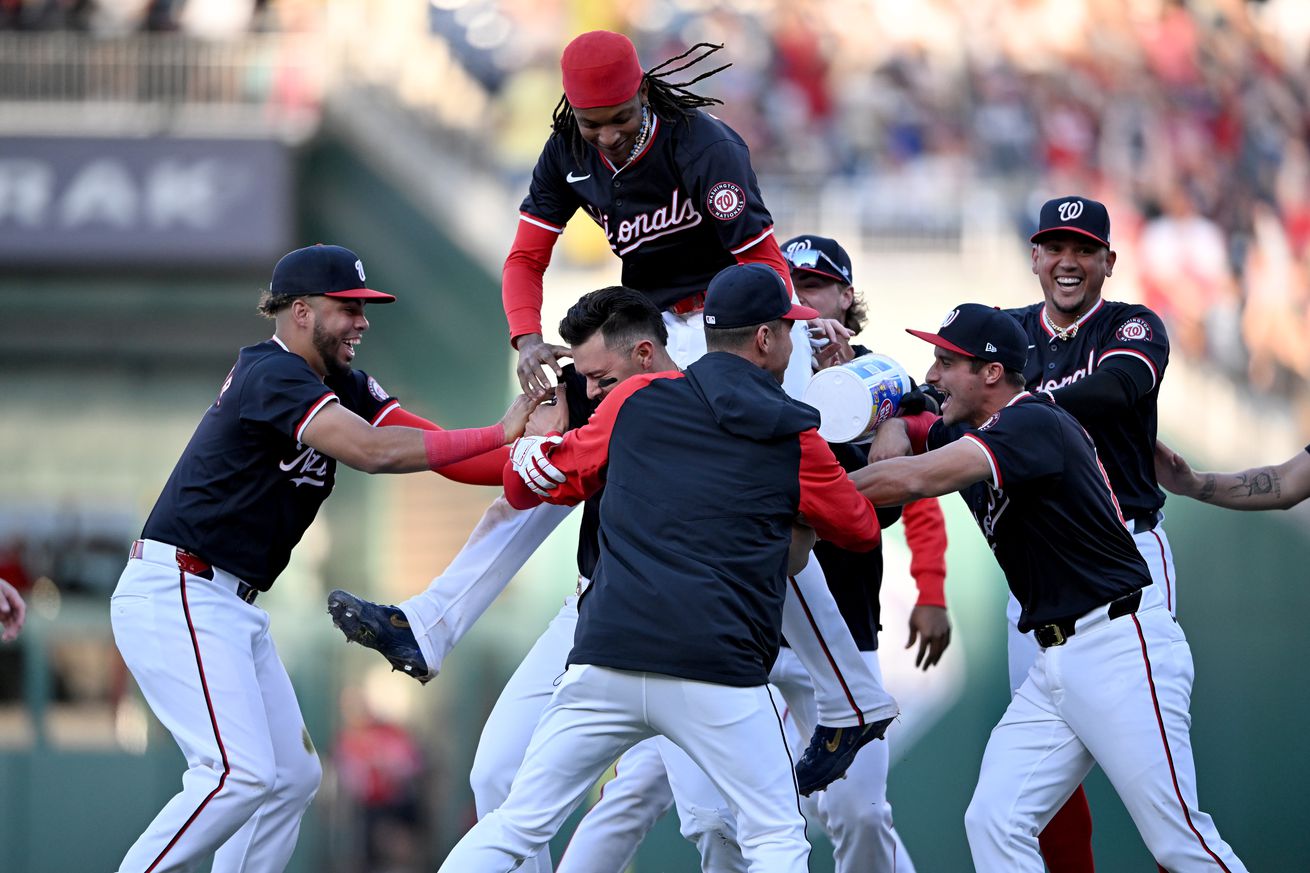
x=270 y=81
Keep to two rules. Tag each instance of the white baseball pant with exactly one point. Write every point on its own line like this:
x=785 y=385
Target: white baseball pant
x=1159 y=557
x=596 y=714
x=509 y=727
x=1116 y=694
x=206 y=664
x=607 y=838
x=499 y=546
x=854 y=811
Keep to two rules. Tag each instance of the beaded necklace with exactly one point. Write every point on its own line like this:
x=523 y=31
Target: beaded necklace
x=642 y=134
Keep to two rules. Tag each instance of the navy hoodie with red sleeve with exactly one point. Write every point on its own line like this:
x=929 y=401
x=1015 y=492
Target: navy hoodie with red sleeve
x=703 y=473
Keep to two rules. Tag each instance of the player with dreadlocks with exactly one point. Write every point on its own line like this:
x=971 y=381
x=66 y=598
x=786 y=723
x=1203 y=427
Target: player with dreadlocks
x=671 y=187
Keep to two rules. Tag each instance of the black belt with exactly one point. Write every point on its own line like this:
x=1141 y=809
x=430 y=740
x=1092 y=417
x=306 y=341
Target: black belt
x=1058 y=633
x=196 y=566
x=1143 y=523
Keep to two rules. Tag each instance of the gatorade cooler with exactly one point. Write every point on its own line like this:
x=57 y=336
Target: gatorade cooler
x=856 y=397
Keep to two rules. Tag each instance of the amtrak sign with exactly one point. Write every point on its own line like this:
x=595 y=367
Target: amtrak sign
x=155 y=201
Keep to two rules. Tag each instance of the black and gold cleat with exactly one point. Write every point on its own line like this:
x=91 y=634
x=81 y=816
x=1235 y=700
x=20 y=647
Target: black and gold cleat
x=831 y=752
x=382 y=628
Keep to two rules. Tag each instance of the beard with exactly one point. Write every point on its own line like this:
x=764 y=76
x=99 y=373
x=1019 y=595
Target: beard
x=329 y=349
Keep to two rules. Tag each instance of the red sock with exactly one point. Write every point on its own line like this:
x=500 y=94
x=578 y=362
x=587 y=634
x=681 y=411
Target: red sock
x=1067 y=841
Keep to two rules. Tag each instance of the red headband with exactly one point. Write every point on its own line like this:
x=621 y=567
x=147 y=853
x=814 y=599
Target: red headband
x=600 y=69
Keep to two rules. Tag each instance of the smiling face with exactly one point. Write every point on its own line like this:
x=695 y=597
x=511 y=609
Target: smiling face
x=613 y=129
x=338 y=326
x=954 y=376
x=1071 y=269
x=830 y=297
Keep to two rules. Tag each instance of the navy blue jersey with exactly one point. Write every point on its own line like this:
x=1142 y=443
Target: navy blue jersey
x=1048 y=512
x=676 y=214
x=245 y=489
x=1124 y=440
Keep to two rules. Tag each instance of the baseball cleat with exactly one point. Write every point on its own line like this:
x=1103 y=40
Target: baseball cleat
x=383 y=628
x=831 y=752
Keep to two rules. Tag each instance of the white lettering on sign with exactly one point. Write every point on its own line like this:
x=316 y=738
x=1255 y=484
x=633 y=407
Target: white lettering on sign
x=107 y=193
x=26 y=188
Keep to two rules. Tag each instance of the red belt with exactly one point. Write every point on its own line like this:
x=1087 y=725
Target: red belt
x=688 y=305
x=196 y=566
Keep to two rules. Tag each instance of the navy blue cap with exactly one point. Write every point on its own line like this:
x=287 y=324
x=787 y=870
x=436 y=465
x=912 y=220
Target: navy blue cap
x=1074 y=214
x=819 y=254
x=747 y=294
x=982 y=332
x=331 y=271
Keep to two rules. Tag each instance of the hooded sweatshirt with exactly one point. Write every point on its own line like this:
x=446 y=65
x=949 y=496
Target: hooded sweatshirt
x=703 y=475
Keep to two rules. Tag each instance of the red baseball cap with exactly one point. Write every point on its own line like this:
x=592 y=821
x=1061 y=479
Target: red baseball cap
x=600 y=68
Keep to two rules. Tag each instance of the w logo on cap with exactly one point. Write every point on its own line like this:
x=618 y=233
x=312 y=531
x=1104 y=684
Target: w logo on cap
x=359 y=268
x=1071 y=209
x=955 y=313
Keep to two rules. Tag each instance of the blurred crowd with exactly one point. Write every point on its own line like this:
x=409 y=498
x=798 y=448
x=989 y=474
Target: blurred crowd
x=1189 y=118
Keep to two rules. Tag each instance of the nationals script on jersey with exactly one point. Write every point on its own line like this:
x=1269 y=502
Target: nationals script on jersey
x=1109 y=332
x=676 y=214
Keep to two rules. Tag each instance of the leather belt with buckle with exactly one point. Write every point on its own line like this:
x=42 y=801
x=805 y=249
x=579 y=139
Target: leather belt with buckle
x=1058 y=633
x=1144 y=523
x=688 y=305
x=196 y=566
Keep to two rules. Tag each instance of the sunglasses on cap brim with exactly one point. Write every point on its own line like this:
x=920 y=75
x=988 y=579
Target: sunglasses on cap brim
x=808 y=259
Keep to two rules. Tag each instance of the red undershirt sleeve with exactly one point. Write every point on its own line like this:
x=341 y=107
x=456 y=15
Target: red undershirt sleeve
x=583 y=456
x=521 y=277
x=925 y=533
x=829 y=501
x=917 y=427
x=484 y=469
x=766 y=252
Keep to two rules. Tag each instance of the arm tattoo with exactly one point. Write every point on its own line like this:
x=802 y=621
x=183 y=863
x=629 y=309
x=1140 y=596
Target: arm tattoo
x=1207 y=489
x=1257 y=482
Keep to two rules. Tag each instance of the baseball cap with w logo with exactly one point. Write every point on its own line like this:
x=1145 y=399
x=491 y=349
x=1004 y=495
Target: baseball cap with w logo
x=982 y=332
x=331 y=271
x=1074 y=214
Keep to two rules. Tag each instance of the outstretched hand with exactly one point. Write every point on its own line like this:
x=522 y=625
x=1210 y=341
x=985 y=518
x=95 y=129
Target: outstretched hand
x=830 y=343
x=552 y=416
x=515 y=419
x=931 y=627
x=535 y=356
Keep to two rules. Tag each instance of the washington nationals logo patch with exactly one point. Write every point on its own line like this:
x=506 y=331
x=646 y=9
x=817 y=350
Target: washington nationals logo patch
x=995 y=417
x=375 y=389
x=1134 y=330
x=726 y=201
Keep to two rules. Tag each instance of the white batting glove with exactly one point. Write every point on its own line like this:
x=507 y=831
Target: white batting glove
x=530 y=460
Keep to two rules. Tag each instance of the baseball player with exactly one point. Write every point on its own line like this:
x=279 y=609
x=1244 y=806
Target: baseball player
x=1280 y=487
x=250 y=481
x=674 y=191
x=673 y=231
x=1102 y=362
x=1112 y=680
x=639 y=667
x=13 y=612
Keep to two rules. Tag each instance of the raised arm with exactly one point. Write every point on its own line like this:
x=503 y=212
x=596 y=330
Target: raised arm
x=1280 y=487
